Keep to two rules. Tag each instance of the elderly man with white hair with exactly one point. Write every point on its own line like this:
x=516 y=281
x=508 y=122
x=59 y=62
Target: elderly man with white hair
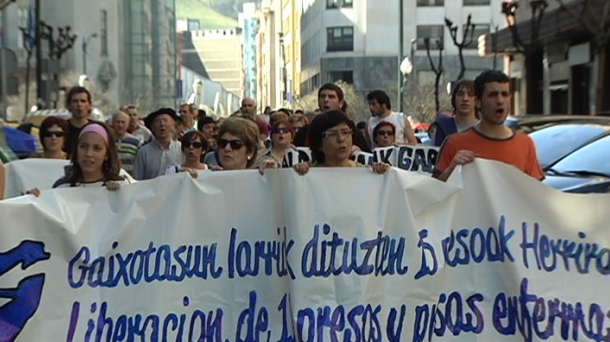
x=127 y=144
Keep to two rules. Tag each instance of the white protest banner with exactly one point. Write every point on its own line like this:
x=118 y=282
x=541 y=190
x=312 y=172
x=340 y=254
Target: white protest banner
x=27 y=174
x=493 y=255
x=363 y=158
x=419 y=158
x=40 y=173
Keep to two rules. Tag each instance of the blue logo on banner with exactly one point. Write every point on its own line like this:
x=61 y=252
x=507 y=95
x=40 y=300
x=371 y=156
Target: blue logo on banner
x=23 y=300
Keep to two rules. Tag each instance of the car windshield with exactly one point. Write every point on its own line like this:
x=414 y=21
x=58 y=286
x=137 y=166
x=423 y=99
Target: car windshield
x=557 y=141
x=591 y=158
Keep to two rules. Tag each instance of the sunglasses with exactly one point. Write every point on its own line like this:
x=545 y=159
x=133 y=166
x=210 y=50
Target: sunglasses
x=195 y=144
x=282 y=130
x=49 y=134
x=384 y=133
x=235 y=144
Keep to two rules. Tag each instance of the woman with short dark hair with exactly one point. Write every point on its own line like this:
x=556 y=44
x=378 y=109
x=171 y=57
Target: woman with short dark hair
x=332 y=136
x=384 y=134
x=53 y=134
x=194 y=147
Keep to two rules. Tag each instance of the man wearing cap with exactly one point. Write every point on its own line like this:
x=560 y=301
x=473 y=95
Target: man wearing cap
x=163 y=151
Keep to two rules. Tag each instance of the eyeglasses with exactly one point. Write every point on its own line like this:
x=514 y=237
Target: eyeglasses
x=235 y=144
x=384 y=133
x=336 y=133
x=195 y=144
x=58 y=134
x=282 y=130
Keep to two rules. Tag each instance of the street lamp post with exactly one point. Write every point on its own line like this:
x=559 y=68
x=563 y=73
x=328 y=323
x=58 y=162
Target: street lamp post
x=537 y=7
x=400 y=54
x=85 y=44
x=406 y=67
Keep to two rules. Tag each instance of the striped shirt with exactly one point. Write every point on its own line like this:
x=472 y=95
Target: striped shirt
x=127 y=149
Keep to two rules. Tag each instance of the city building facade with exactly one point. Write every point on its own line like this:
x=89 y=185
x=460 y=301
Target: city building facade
x=290 y=43
x=220 y=50
x=249 y=22
x=150 y=69
x=126 y=49
x=561 y=67
x=357 y=41
x=270 y=62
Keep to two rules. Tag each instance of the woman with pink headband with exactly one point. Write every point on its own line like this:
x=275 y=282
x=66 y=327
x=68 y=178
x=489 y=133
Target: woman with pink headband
x=95 y=161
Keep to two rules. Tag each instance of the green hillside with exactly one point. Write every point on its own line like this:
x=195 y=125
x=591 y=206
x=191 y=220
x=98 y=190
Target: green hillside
x=228 y=8
x=208 y=18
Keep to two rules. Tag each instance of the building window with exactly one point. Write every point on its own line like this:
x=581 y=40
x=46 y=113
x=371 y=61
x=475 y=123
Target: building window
x=477 y=2
x=479 y=29
x=433 y=32
x=339 y=4
x=340 y=39
x=428 y=3
x=25 y=21
x=193 y=25
x=104 y=33
x=345 y=76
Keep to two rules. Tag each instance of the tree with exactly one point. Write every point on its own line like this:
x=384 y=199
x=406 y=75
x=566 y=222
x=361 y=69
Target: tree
x=531 y=50
x=420 y=100
x=437 y=69
x=594 y=17
x=466 y=40
x=29 y=41
x=59 y=44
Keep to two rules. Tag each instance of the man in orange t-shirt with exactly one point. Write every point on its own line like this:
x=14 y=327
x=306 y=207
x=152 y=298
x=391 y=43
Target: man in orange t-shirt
x=490 y=138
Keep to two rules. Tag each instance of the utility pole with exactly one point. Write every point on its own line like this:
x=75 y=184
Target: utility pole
x=39 y=95
x=401 y=53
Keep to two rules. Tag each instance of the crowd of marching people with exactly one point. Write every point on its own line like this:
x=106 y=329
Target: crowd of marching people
x=167 y=141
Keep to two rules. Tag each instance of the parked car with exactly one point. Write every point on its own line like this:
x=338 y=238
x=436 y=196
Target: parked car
x=556 y=141
x=586 y=170
x=532 y=123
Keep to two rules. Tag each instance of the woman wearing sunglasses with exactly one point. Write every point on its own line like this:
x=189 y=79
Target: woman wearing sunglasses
x=52 y=134
x=238 y=143
x=384 y=134
x=194 y=146
x=282 y=135
x=332 y=136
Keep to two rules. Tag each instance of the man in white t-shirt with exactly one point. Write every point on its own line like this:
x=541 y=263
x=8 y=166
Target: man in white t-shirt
x=381 y=110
